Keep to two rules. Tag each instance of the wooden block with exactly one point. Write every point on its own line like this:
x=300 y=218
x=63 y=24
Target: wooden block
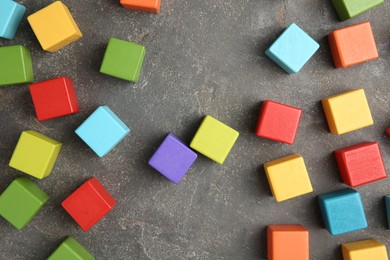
x=71 y=249
x=287 y=242
x=292 y=49
x=35 y=154
x=214 y=139
x=54 y=98
x=278 y=122
x=21 y=201
x=347 y=112
x=350 y=8
x=89 y=203
x=388 y=131
x=54 y=27
x=342 y=211
x=123 y=60
x=173 y=158
x=370 y=249
x=387 y=204
x=360 y=164
x=352 y=45
x=15 y=65
x=11 y=13
x=151 y=6
x=288 y=177
x=102 y=130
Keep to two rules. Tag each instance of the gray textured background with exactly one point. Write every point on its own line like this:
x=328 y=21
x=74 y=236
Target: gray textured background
x=203 y=57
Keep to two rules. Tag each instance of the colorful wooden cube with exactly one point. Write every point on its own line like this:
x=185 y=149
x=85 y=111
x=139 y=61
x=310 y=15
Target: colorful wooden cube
x=287 y=242
x=214 y=139
x=347 y=112
x=278 y=122
x=288 y=177
x=342 y=211
x=15 y=65
x=54 y=27
x=89 y=203
x=292 y=49
x=70 y=249
x=173 y=158
x=352 y=45
x=54 y=98
x=387 y=204
x=151 y=6
x=102 y=130
x=350 y=8
x=123 y=60
x=21 y=201
x=370 y=249
x=388 y=131
x=35 y=154
x=11 y=13
x=360 y=164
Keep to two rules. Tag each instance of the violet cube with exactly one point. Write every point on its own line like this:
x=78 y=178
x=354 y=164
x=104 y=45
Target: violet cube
x=173 y=158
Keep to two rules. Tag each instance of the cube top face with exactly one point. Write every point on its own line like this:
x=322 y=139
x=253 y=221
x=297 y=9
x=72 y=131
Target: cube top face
x=15 y=65
x=173 y=158
x=11 y=13
x=278 y=122
x=21 y=201
x=353 y=45
x=363 y=250
x=347 y=112
x=214 y=139
x=71 y=249
x=350 y=8
x=151 y=6
x=123 y=60
x=54 y=98
x=342 y=211
x=54 y=27
x=288 y=177
x=292 y=49
x=35 y=154
x=360 y=164
x=88 y=204
x=102 y=130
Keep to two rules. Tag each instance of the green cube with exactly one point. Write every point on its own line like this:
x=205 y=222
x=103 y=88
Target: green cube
x=70 y=249
x=15 y=65
x=350 y=8
x=123 y=60
x=35 y=154
x=21 y=201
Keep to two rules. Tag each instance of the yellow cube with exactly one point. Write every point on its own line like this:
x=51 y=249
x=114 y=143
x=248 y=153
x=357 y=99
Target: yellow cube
x=214 y=139
x=347 y=111
x=54 y=27
x=364 y=250
x=288 y=177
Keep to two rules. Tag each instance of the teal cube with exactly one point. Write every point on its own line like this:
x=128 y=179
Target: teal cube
x=387 y=203
x=11 y=13
x=21 y=201
x=15 y=65
x=350 y=8
x=123 y=60
x=70 y=249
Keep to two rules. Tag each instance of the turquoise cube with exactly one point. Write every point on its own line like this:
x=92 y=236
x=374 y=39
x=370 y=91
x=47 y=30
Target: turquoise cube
x=11 y=13
x=102 y=130
x=387 y=202
x=292 y=49
x=342 y=211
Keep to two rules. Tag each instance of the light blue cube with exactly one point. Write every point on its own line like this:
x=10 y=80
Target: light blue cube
x=11 y=13
x=387 y=202
x=292 y=49
x=102 y=130
x=342 y=211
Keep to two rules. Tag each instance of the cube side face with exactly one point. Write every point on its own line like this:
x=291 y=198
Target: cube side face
x=11 y=14
x=151 y=6
x=356 y=8
x=335 y=50
x=70 y=249
x=365 y=249
x=15 y=65
x=387 y=204
x=341 y=9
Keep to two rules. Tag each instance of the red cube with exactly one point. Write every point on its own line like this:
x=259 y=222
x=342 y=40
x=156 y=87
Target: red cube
x=360 y=164
x=54 y=98
x=89 y=203
x=278 y=122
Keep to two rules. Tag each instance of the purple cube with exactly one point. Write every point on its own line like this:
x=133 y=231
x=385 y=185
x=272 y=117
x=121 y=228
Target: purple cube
x=173 y=158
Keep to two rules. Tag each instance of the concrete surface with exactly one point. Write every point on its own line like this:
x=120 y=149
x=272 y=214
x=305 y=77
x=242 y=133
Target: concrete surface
x=203 y=57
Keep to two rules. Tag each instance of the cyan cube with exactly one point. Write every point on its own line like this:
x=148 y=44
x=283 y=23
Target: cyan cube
x=11 y=13
x=342 y=211
x=102 y=130
x=173 y=158
x=292 y=49
x=387 y=203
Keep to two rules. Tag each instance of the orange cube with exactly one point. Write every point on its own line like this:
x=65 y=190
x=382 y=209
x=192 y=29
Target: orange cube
x=352 y=45
x=287 y=242
x=151 y=6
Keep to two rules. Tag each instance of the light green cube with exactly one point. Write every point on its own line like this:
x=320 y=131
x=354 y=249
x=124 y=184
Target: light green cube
x=70 y=249
x=15 y=65
x=350 y=8
x=35 y=154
